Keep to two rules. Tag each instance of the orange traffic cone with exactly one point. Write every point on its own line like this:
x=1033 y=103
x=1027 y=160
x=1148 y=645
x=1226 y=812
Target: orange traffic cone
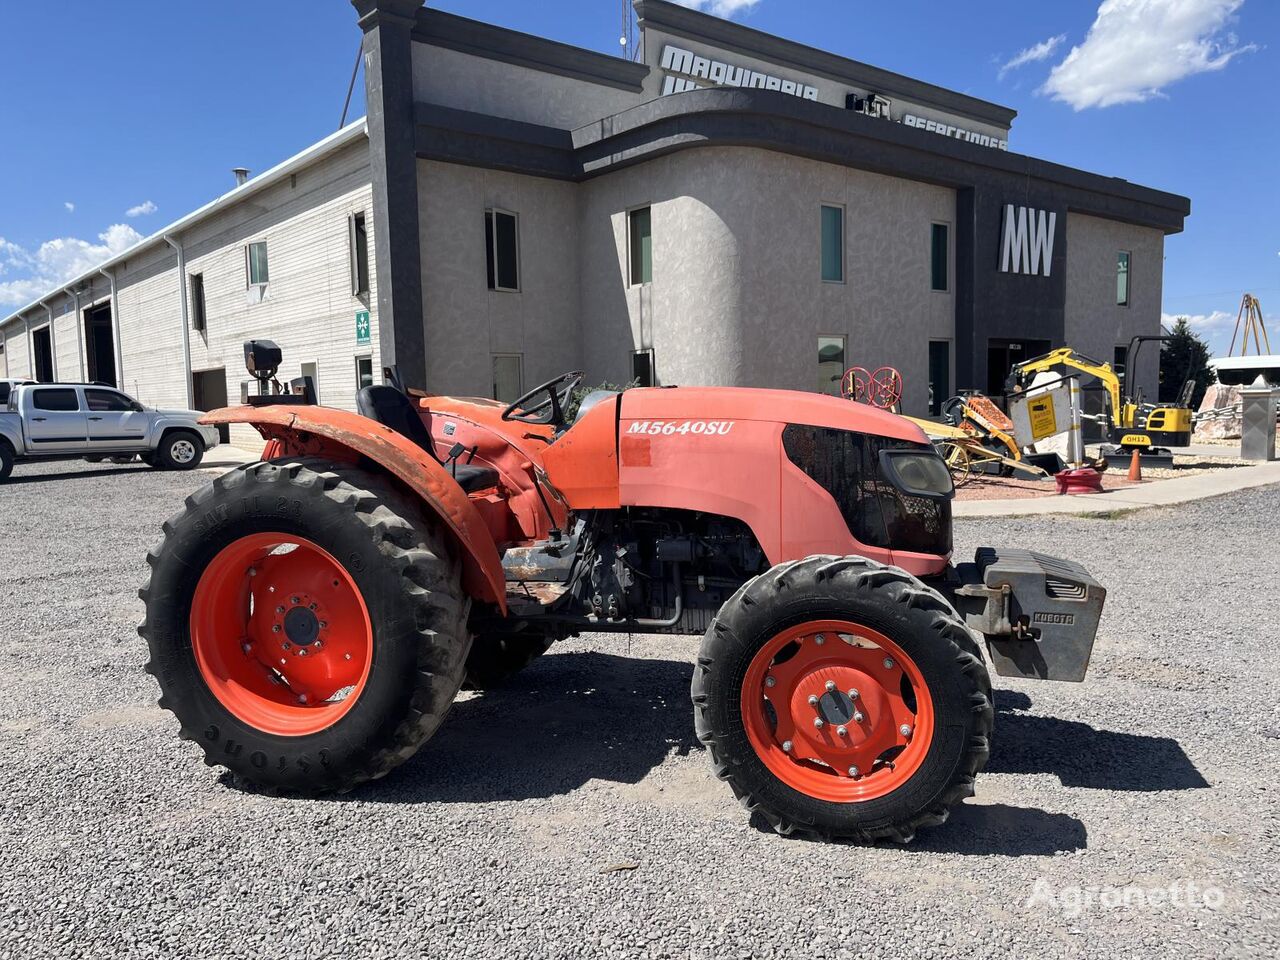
x=1135 y=467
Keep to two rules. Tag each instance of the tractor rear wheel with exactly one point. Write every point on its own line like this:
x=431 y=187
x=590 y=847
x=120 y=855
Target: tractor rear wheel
x=306 y=624
x=496 y=658
x=843 y=698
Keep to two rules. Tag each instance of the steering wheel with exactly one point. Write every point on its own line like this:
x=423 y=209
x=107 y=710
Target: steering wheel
x=551 y=410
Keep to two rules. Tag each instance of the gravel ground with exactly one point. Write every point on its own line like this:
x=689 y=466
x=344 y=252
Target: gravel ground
x=1159 y=771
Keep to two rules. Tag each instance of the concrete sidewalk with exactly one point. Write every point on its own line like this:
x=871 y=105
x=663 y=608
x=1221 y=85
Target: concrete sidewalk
x=1158 y=493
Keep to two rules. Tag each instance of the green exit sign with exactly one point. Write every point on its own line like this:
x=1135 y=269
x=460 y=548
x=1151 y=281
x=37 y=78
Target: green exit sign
x=362 y=327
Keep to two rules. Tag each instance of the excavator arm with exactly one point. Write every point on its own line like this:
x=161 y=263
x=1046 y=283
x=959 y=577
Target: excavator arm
x=1066 y=357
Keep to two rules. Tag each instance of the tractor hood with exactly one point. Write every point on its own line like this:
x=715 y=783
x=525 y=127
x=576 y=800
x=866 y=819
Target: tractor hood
x=775 y=406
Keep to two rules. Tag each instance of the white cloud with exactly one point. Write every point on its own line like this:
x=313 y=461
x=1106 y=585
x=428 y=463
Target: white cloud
x=142 y=209
x=1205 y=323
x=71 y=207
x=720 y=8
x=57 y=261
x=1136 y=48
x=1033 y=54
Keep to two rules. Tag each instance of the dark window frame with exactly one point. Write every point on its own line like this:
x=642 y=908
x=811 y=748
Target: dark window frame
x=651 y=365
x=1125 y=257
x=265 y=278
x=639 y=271
x=840 y=238
x=940 y=260
x=358 y=251
x=90 y=392
x=37 y=395
x=497 y=265
x=199 y=311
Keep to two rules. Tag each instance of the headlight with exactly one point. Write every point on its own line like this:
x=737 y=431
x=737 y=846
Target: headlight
x=917 y=473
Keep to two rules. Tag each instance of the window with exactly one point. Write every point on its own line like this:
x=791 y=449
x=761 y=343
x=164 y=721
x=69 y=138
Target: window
x=59 y=401
x=107 y=401
x=358 y=242
x=501 y=238
x=939 y=258
x=830 y=365
x=833 y=244
x=640 y=231
x=939 y=375
x=642 y=371
x=256 y=263
x=508 y=377
x=197 y=301
x=312 y=371
x=1122 y=279
x=364 y=372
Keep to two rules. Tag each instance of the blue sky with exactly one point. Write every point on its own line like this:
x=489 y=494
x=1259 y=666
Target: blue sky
x=121 y=117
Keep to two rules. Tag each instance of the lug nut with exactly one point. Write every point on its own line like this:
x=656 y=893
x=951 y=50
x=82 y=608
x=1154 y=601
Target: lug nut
x=905 y=730
x=857 y=716
x=293 y=600
x=282 y=662
x=253 y=571
x=888 y=664
x=302 y=652
x=346 y=656
x=853 y=693
x=786 y=746
x=275 y=628
x=319 y=645
x=246 y=647
x=843 y=731
x=323 y=624
x=302 y=698
x=279 y=609
x=819 y=723
x=853 y=771
x=819 y=639
x=831 y=685
x=311 y=606
x=813 y=700
x=770 y=682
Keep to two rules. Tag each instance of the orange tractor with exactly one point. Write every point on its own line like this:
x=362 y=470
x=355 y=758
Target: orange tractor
x=312 y=616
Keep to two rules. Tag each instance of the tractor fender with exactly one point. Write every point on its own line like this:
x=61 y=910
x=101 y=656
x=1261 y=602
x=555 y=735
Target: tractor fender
x=323 y=431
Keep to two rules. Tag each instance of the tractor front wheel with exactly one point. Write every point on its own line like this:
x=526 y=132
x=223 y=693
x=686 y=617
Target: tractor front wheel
x=306 y=624
x=843 y=698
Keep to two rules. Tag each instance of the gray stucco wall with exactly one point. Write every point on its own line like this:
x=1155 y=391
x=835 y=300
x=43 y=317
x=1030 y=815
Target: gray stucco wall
x=1095 y=324
x=737 y=296
x=467 y=82
x=466 y=323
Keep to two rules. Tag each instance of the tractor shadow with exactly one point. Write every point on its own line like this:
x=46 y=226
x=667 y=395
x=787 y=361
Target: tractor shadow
x=567 y=719
x=1084 y=756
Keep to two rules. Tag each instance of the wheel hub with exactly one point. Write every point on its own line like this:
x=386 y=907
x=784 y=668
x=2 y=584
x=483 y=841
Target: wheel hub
x=301 y=625
x=831 y=707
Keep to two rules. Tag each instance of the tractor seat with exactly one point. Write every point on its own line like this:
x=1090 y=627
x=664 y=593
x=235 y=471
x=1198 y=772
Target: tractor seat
x=391 y=408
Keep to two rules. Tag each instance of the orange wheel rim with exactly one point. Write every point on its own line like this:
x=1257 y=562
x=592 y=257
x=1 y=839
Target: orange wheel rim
x=281 y=634
x=837 y=711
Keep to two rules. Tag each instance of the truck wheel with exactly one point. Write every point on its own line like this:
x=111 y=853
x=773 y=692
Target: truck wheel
x=179 y=450
x=495 y=659
x=306 y=625
x=843 y=698
x=6 y=459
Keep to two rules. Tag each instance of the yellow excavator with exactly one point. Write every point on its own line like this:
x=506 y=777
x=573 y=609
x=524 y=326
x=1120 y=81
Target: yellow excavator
x=1130 y=423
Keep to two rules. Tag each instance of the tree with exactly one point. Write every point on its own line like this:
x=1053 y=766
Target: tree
x=1183 y=358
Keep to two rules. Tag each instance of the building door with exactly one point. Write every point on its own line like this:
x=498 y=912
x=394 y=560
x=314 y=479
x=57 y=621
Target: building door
x=1002 y=355
x=100 y=345
x=209 y=392
x=42 y=347
x=939 y=375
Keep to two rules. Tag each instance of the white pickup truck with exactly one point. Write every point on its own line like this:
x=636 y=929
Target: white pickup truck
x=64 y=421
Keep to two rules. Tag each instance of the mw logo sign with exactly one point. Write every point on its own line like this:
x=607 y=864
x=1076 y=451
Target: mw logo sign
x=1027 y=240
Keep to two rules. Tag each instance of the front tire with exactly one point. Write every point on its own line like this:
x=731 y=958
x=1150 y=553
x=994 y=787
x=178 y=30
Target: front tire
x=882 y=661
x=306 y=625
x=179 y=450
x=6 y=460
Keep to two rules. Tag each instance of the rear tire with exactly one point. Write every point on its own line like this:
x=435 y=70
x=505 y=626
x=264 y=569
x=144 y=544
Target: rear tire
x=937 y=675
x=6 y=460
x=179 y=450
x=495 y=659
x=412 y=636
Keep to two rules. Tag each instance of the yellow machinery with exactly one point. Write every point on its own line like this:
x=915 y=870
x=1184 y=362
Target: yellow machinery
x=1130 y=423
